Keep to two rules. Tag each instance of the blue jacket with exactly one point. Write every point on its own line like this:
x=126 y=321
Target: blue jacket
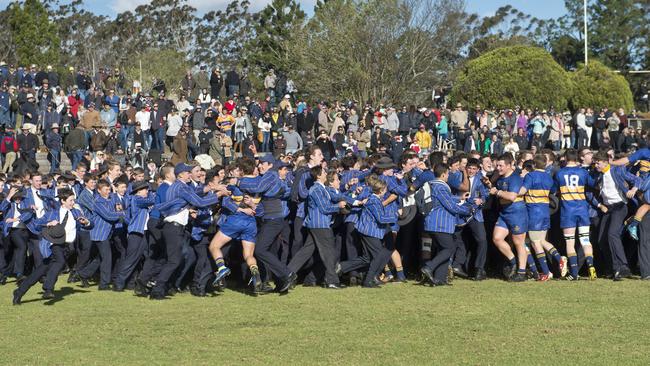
x=104 y=219
x=52 y=215
x=161 y=197
x=137 y=209
x=8 y=209
x=478 y=189
x=443 y=216
x=180 y=195
x=623 y=179
x=319 y=208
x=375 y=219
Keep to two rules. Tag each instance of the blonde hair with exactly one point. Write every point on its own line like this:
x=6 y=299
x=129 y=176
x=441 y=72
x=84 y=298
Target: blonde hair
x=377 y=185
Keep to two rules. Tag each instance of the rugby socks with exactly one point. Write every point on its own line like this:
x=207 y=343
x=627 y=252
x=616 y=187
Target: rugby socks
x=589 y=260
x=400 y=273
x=541 y=258
x=531 y=264
x=513 y=261
x=220 y=263
x=555 y=254
x=573 y=264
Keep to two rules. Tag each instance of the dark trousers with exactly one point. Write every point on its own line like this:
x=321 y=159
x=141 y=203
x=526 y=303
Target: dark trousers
x=203 y=268
x=299 y=236
x=34 y=251
x=644 y=246
x=50 y=268
x=188 y=260
x=374 y=258
x=154 y=254
x=323 y=239
x=446 y=244
x=135 y=248
x=19 y=239
x=104 y=262
x=611 y=230
x=477 y=230
x=5 y=269
x=119 y=245
x=351 y=249
x=173 y=236
x=265 y=250
x=84 y=246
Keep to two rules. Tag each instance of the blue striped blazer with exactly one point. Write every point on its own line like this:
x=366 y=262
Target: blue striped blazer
x=104 y=219
x=137 y=210
x=26 y=217
x=181 y=195
x=445 y=211
x=319 y=208
x=375 y=219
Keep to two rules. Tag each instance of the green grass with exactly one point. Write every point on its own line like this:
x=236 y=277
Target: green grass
x=488 y=323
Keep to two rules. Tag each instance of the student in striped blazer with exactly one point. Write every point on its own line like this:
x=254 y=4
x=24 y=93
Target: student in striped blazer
x=53 y=243
x=140 y=202
x=119 y=235
x=86 y=202
x=106 y=215
x=16 y=213
x=441 y=223
x=374 y=223
x=319 y=211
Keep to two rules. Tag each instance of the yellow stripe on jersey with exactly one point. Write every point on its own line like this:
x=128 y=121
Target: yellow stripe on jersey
x=575 y=189
x=644 y=166
x=569 y=196
x=531 y=199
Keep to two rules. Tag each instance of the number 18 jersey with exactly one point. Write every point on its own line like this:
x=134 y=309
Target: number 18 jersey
x=571 y=182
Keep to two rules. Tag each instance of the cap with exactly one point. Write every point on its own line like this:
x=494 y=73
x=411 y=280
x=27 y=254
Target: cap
x=30 y=95
x=287 y=96
x=268 y=158
x=181 y=168
x=54 y=125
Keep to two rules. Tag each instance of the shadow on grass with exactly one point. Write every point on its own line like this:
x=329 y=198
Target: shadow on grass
x=58 y=295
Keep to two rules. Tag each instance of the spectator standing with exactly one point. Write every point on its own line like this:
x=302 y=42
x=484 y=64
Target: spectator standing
x=53 y=142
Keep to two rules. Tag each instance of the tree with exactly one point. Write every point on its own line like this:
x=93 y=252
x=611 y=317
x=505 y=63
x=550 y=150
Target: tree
x=33 y=34
x=221 y=35
x=379 y=50
x=167 y=65
x=510 y=76
x=597 y=86
x=274 y=29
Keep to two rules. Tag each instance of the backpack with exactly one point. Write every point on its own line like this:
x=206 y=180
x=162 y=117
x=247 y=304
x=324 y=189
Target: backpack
x=423 y=199
x=295 y=197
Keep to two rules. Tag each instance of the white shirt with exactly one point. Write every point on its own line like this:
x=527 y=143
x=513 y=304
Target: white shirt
x=174 y=124
x=70 y=225
x=608 y=191
x=38 y=202
x=143 y=118
x=180 y=218
x=16 y=216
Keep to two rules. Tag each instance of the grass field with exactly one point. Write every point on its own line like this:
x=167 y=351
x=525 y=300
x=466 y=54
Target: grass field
x=493 y=322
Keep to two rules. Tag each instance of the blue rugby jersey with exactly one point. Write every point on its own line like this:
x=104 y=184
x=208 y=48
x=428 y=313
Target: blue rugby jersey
x=571 y=182
x=511 y=183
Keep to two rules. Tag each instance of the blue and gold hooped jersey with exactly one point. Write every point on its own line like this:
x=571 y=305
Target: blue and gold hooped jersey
x=539 y=185
x=571 y=182
x=511 y=183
